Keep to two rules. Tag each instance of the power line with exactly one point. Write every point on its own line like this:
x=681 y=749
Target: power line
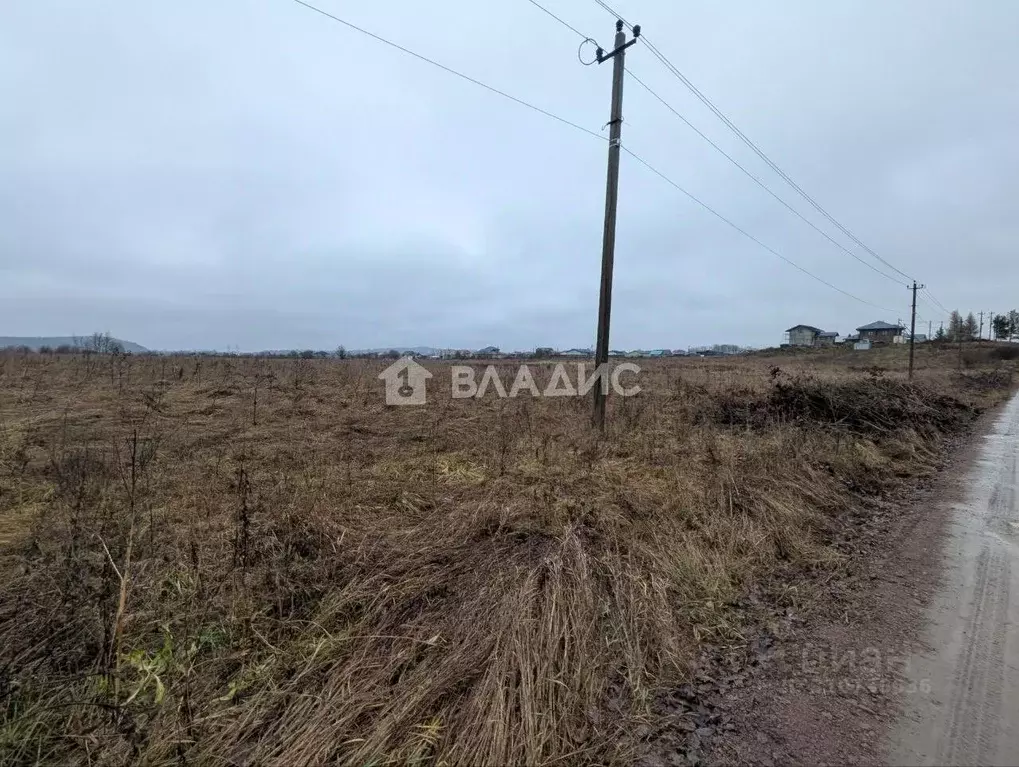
x=757 y=150
x=725 y=154
x=777 y=169
x=613 y=13
x=450 y=70
x=565 y=24
x=937 y=302
x=747 y=234
x=546 y=113
x=734 y=162
x=930 y=306
x=573 y=29
x=760 y=183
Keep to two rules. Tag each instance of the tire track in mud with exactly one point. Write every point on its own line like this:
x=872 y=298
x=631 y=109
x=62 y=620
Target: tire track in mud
x=974 y=711
x=970 y=662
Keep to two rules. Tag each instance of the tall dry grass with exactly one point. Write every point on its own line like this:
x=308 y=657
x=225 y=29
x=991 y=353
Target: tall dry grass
x=256 y=561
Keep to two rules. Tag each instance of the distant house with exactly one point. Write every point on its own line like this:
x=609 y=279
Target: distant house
x=880 y=332
x=616 y=353
x=904 y=338
x=659 y=353
x=808 y=335
x=802 y=335
x=827 y=338
x=577 y=353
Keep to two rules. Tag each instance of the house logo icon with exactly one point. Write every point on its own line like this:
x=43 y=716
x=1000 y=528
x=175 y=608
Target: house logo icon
x=405 y=382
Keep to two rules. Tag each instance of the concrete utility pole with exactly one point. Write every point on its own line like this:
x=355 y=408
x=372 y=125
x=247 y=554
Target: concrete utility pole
x=912 y=329
x=608 y=248
x=980 y=333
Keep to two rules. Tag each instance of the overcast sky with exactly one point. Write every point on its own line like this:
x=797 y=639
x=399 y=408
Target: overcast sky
x=250 y=174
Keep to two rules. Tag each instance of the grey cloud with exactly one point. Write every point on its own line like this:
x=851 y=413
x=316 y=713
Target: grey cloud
x=254 y=175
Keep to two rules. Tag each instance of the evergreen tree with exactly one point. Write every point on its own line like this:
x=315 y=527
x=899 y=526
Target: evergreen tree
x=969 y=328
x=1000 y=326
x=955 y=326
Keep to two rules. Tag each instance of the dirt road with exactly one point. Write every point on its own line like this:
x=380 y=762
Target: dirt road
x=964 y=704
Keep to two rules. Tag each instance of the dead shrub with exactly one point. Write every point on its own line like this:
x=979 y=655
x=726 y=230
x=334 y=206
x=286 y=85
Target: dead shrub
x=987 y=380
x=865 y=406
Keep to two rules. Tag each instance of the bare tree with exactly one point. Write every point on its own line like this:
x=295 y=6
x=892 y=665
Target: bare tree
x=98 y=343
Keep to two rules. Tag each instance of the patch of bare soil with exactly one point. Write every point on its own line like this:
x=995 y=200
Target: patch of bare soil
x=819 y=681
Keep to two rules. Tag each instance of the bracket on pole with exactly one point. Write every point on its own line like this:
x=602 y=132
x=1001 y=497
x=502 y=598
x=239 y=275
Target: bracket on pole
x=600 y=54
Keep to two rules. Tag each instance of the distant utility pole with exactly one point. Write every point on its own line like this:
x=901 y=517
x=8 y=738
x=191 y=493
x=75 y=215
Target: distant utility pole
x=930 y=327
x=912 y=328
x=959 y=334
x=608 y=247
x=980 y=333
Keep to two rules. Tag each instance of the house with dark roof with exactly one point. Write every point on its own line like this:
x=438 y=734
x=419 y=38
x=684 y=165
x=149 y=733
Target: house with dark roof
x=808 y=335
x=880 y=332
x=827 y=338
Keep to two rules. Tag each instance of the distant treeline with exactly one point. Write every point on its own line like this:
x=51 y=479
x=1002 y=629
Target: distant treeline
x=1003 y=327
x=97 y=343
x=103 y=343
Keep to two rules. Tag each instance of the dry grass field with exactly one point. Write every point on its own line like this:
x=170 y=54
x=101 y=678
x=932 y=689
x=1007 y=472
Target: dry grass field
x=243 y=561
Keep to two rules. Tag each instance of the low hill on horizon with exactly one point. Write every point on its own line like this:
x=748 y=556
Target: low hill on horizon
x=35 y=342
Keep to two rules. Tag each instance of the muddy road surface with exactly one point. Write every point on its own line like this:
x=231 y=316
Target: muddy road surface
x=966 y=711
